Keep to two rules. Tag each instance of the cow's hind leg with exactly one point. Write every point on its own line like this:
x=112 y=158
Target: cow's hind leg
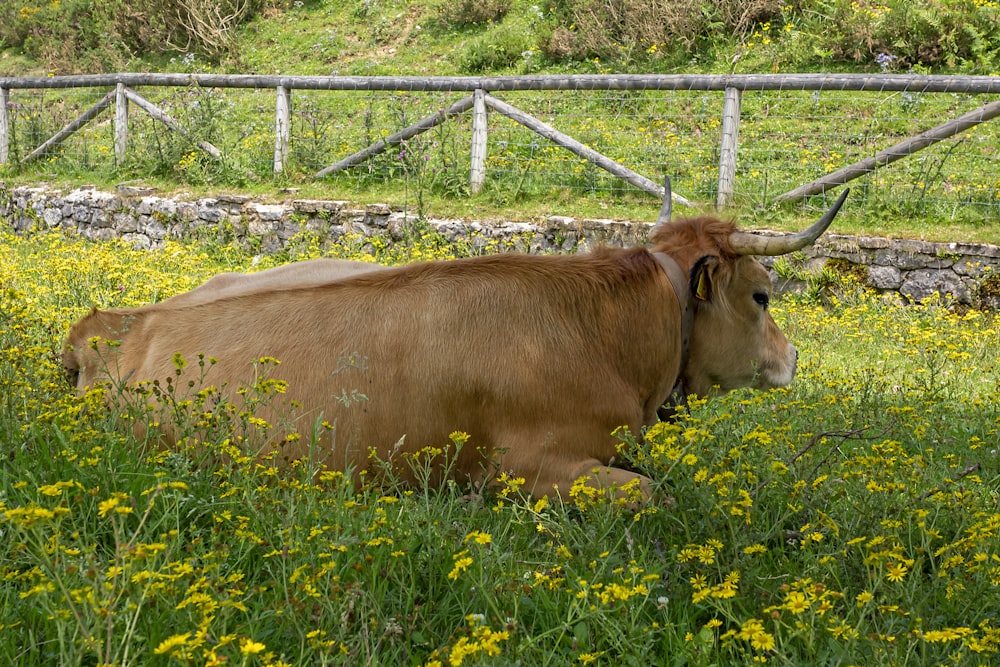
x=584 y=481
x=590 y=478
x=552 y=465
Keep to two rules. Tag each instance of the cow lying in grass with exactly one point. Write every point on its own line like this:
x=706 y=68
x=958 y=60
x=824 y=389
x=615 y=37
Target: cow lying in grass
x=537 y=358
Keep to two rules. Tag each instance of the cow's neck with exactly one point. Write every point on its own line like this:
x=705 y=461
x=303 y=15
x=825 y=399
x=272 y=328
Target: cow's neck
x=682 y=289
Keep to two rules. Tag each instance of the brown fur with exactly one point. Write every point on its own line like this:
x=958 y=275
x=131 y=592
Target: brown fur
x=537 y=358
x=689 y=239
x=735 y=342
x=304 y=274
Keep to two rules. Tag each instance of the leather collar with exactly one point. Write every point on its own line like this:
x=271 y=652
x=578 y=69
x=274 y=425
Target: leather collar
x=682 y=289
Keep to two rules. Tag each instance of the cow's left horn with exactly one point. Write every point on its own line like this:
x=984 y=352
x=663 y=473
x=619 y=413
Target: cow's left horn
x=746 y=243
x=668 y=202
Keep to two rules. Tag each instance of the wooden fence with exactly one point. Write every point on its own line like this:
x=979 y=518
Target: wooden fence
x=480 y=99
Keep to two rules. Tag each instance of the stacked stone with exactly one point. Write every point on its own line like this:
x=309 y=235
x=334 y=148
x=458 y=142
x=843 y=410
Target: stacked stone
x=911 y=268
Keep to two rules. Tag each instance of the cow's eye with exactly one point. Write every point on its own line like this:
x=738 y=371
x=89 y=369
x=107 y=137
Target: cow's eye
x=762 y=299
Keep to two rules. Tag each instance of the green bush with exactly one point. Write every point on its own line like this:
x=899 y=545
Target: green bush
x=895 y=35
x=652 y=35
x=86 y=35
x=67 y=37
x=463 y=13
x=639 y=29
x=961 y=34
x=499 y=47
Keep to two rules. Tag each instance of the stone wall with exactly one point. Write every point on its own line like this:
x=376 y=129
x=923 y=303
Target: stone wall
x=914 y=269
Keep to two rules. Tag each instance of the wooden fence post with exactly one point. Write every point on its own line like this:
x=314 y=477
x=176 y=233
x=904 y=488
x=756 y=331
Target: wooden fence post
x=121 y=123
x=477 y=170
x=730 y=145
x=4 y=126
x=282 y=128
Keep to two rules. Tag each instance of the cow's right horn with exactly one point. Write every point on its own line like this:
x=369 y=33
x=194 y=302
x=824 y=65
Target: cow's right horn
x=746 y=243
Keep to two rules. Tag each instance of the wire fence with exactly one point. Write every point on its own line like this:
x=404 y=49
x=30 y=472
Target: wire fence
x=788 y=134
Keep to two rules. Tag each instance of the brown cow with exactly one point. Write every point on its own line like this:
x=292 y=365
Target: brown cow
x=537 y=358
x=304 y=274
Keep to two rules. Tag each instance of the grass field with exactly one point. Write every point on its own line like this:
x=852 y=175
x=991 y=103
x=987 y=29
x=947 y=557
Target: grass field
x=851 y=518
x=946 y=192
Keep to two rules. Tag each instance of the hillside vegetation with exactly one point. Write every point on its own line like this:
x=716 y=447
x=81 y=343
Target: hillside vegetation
x=849 y=518
x=511 y=36
x=950 y=193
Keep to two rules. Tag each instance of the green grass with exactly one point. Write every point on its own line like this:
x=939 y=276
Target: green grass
x=850 y=518
x=948 y=192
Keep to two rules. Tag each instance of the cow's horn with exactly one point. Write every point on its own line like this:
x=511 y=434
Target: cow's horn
x=668 y=202
x=746 y=243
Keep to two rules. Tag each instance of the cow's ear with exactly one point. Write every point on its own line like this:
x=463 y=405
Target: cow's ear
x=701 y=278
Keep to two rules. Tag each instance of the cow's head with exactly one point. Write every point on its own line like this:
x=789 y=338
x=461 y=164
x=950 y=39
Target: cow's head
x=734 y=342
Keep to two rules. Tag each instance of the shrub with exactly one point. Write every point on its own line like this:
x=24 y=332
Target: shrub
x=948 y=33
x=86 y=35
x=464 y=13
x=499 y=47
x=627 y=29
x=67 y=37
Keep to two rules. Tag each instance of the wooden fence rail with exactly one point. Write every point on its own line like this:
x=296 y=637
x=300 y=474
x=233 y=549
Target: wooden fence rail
x=718 y=82
x=897 y=152
x=481 y=99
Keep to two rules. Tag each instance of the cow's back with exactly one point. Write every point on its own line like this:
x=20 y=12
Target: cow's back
x=523 y=353
x=304 y=274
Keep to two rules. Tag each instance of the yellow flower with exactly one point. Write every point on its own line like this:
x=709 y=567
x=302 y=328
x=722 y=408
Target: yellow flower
x=796 y=602
x=250 y=647
x=28 y=516
x=460 y=650
x=114 y=503
x=55 y=489
x=945 y=635
x=753 y=631
x=478 y=537
x=896 y=572
x=172 y=642
x=462 y=563
x=179 y=361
